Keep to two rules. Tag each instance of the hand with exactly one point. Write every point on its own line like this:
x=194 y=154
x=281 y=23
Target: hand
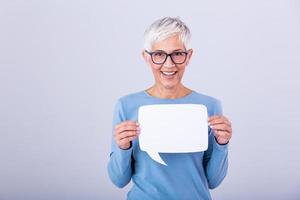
x=125 y=132
x=221 y=127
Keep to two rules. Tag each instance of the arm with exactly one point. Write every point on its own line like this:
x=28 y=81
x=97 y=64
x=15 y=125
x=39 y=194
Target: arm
x=215 y=160
x=119 y=166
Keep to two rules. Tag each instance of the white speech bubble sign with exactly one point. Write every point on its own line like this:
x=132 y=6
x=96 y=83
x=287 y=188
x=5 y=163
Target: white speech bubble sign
x=172 y=128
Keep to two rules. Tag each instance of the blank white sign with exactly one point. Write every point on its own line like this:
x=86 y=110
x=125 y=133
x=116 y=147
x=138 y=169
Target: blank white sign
x=172 y=128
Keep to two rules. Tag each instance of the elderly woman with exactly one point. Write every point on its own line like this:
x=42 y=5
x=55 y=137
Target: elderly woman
x=192 y=174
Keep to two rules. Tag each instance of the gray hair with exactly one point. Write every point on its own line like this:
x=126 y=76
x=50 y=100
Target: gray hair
x=164 y=28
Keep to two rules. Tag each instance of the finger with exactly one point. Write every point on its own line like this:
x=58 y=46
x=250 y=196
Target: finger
x=126 y=140
x=224 y=127
x=127 y=127
x=214 y=123
x=216 y=133
x=219 y=120
x=127 y=134
x=124 y=123
x=222 y=134
x=129 y=122
x=216 y=117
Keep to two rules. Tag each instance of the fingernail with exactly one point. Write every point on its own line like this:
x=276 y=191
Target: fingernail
x=212 y=127
x=208 y=123
x=138 y=128
x=137 y=123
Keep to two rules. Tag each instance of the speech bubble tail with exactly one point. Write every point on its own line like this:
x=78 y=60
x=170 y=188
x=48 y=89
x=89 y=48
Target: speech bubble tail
x=155 y=156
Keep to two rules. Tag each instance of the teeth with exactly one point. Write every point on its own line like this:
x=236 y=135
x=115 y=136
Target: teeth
x=168 y=73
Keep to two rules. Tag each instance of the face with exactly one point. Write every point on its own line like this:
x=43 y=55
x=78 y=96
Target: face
x=168 y=74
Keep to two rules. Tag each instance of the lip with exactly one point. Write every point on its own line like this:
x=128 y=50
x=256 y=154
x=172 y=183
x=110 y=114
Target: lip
x=168 y=76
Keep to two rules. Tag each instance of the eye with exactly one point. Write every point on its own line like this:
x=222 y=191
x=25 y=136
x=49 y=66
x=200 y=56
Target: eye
x=158 y=54
x=178 y=53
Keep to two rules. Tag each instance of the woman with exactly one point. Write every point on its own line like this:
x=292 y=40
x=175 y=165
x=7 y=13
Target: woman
x=192 y=174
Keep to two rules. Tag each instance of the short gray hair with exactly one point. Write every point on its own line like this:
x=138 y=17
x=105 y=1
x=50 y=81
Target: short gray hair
x=164 y=28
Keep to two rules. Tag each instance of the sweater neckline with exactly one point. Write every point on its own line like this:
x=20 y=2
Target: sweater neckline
x=168 y=99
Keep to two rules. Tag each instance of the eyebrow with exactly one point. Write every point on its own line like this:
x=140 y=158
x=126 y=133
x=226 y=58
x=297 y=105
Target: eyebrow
x=178 y=50
x=159 y=50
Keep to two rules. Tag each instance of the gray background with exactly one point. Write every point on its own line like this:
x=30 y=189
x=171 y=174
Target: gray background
x=65 y=63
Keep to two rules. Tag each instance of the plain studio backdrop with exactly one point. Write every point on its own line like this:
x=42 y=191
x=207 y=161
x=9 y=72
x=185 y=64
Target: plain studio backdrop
x=64 y=63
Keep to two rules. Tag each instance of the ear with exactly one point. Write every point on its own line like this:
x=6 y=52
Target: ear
x=146 y=56
x=189 y=56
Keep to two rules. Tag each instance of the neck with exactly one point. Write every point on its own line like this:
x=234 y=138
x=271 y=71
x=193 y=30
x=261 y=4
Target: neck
x=168 y=93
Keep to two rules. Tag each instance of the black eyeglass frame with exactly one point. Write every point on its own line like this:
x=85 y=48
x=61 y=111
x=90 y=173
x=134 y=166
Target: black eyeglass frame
x=168 y=54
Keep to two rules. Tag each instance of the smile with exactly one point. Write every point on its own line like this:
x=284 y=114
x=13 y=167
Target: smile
x=170 y=74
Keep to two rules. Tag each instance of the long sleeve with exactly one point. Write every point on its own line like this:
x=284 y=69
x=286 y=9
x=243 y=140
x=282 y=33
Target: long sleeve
x=119 y=166
x=215 y=159
x=198 y=171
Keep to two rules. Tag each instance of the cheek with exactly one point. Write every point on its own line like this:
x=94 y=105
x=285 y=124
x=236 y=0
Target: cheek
x=181 y=69
x=155 y=71
x=155 y=68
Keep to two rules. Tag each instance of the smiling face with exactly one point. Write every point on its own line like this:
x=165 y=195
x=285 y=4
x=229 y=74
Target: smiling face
x=169 y=74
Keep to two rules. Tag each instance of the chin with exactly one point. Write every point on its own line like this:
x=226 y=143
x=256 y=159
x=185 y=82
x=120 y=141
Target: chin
x=170 y=86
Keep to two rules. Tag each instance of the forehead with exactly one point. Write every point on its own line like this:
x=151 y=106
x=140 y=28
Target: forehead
x=169 y=44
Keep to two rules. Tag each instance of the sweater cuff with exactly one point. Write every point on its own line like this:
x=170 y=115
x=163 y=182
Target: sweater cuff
x=220 y=147
x=124 y=156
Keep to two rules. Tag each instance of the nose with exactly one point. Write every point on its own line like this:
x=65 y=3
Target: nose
x=169 y=62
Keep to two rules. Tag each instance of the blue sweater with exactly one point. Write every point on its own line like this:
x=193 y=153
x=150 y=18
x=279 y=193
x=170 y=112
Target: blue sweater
x=188 y=176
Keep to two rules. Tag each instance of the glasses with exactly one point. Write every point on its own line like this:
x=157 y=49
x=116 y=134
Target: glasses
x=160 y=57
